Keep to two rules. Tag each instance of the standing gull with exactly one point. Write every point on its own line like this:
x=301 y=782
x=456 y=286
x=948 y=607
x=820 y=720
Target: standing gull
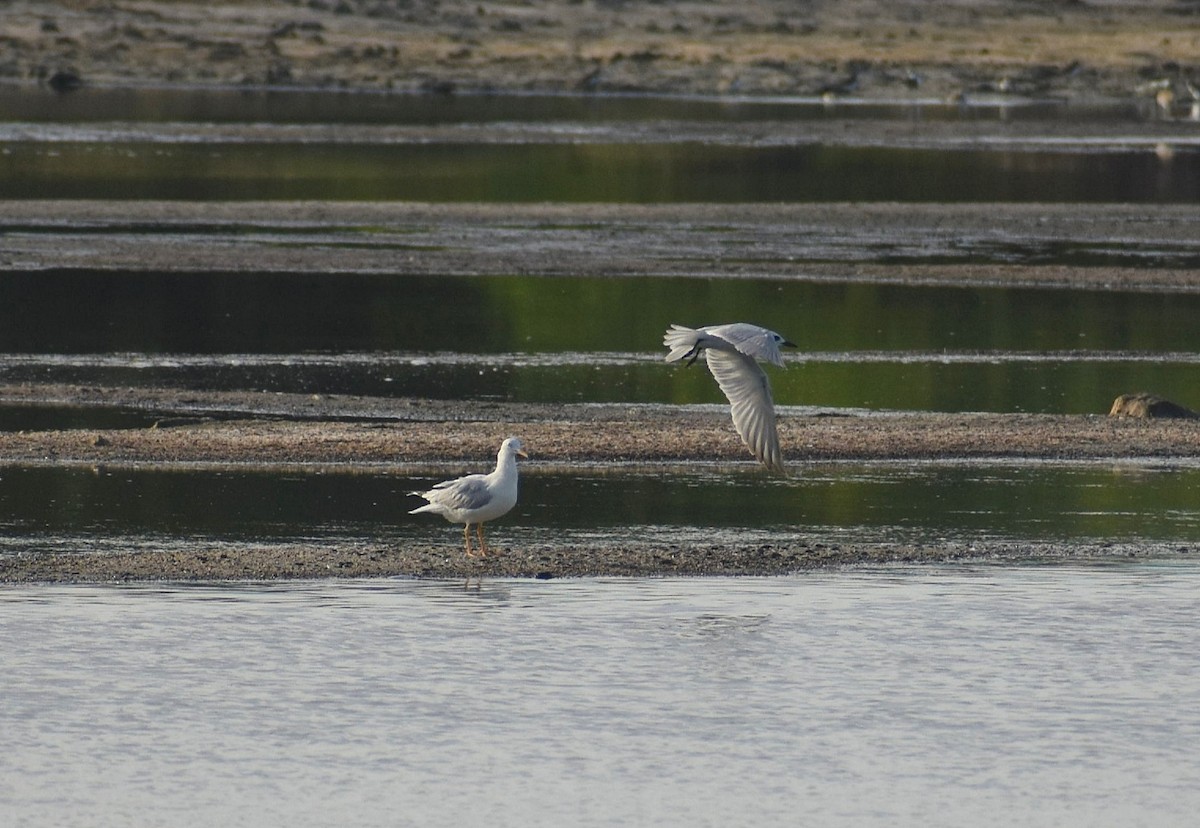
x=732 y=352
x=476 y=498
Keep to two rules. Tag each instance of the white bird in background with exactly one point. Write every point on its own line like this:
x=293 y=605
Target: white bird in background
x=731 y=352
x=476 y=498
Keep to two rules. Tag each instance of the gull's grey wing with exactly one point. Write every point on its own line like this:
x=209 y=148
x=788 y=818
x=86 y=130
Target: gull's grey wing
x=469 y=492
x=749 y=394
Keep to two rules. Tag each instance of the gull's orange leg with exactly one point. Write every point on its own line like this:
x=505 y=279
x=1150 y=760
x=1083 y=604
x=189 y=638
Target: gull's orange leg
x=482 y=542
x=467 y=538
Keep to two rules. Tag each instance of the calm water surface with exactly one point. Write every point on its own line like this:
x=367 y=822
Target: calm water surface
x=588 y=171
x=1038 y=696
x=46 y=507
x=90 y=311
x=538 y=339
x=1085 y=383
x=594 y=172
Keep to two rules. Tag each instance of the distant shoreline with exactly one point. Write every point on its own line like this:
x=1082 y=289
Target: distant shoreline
x=867 y=49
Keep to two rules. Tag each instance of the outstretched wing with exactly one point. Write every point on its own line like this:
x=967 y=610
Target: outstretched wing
x=749 y=394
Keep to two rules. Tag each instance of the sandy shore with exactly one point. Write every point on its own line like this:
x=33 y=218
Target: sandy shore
x=863 y=48
x=230 y=428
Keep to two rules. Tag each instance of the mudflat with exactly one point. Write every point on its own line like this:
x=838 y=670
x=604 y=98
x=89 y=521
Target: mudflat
x=866 y=48
x=813 y=242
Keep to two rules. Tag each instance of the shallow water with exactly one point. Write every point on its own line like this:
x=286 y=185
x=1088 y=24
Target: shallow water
x=424 y=336
x=590 y=172
x=89 y=311
x=547 y=340
x=194 y=144
x=933 y=696
x=47 y=508
x=1059 y=383
x=55 y=147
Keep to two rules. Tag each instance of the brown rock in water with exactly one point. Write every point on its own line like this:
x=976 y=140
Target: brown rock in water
x=1147 y=406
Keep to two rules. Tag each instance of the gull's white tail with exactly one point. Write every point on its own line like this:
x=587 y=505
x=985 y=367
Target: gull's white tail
x=682 y=341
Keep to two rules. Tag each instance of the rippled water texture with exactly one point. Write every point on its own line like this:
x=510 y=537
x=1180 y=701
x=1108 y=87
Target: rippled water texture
x=980 y=696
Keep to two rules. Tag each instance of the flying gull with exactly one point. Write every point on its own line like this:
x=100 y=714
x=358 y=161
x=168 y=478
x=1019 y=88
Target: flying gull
x=731 y=352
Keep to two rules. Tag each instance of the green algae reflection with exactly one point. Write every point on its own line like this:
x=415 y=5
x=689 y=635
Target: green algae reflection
x=586 y=172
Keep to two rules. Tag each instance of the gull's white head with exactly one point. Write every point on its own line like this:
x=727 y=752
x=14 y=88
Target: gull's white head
x=513 y=445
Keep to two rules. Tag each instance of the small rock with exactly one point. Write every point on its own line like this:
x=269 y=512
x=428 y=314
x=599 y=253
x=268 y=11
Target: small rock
x=1149 y=406
x=65 y=80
